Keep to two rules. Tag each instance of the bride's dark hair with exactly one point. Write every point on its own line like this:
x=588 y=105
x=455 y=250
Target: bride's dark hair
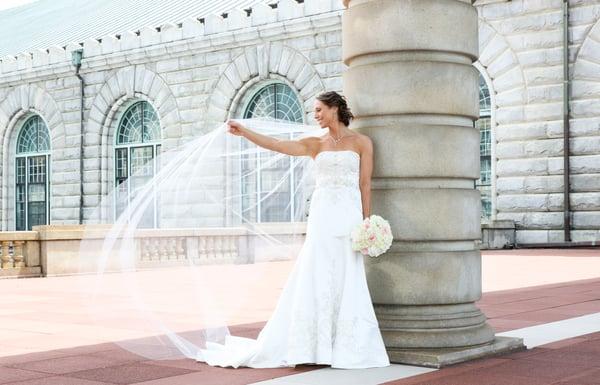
x=333 y=99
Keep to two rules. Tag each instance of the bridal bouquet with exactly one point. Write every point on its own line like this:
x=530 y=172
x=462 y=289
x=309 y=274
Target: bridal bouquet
x=372 y=237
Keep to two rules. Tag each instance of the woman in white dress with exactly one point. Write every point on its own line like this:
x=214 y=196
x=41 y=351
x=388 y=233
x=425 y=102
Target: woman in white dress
x=324 y=314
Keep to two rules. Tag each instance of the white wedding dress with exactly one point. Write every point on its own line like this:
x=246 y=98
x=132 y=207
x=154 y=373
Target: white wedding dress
x=324 y=314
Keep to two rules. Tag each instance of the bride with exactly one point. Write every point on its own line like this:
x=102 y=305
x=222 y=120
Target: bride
x=325 y=314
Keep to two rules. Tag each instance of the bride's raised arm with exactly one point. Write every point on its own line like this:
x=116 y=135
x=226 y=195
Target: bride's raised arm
x=303 y=147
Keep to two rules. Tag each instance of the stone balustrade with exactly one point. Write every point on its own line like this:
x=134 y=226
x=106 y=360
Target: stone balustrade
x=61 y=251
x=166 y=249
x=198 y=246
x=19 y=254
x=56 y=250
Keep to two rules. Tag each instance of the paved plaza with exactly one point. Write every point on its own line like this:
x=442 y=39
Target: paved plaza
x=549 y=297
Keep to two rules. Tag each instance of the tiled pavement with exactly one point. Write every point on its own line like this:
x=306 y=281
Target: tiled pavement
x=518 y=308
x=573 y=361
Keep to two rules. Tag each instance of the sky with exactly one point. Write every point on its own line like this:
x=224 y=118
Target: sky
x=6 y=4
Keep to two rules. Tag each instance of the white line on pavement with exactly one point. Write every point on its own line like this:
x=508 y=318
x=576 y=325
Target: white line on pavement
x=556 y=331
x=328 y=376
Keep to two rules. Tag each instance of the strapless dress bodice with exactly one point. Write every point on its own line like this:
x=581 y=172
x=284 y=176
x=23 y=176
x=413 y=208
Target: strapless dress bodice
x=336 y=201
x=337 y=169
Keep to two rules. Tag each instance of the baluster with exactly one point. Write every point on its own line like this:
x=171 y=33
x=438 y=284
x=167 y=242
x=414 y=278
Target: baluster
x=234 y=250
x=168 y=249
x=210 y=247
x=219 y=248
x=7 y=261
x=181 y=248
x=18 y=256
x=142 y=243
x=172 y=248
x=156 y=249
x=231 y=241
x=202 y=249
x=146 y=249
x=164 y=249
x=149 y=249
x=225 y=247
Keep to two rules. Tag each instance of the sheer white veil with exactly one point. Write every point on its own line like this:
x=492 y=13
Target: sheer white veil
x=200 y=238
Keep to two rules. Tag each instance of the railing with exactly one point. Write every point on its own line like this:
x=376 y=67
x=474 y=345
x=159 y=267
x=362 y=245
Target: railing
x=200 y=246
x=60 y=250
x=156 y=249
x=57 y=249
x=12 y=254
x=19 y=254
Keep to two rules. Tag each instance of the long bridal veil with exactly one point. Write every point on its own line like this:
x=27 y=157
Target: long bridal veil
x=194 y=239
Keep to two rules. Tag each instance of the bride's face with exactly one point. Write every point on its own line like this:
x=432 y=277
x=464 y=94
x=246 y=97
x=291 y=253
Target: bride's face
x=325 y=115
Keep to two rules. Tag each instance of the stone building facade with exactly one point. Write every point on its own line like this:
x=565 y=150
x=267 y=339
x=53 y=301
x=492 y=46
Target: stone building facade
x=521 y=56
x=188 y=76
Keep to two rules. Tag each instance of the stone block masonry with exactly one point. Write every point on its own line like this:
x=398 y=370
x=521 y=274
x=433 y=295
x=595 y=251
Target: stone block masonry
x=521 y=52
x=192 y=72
x=199 y=71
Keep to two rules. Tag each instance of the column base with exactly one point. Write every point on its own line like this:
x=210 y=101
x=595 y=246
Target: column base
x=440 y=357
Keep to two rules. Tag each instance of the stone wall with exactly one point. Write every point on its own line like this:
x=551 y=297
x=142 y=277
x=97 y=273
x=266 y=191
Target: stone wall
x=521 y=53
x=198 y=72
x=194 y=73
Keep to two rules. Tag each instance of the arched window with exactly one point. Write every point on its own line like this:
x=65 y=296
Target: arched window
x=136 y=148
x=278 y=101
x=31 y=174
x=484 y=183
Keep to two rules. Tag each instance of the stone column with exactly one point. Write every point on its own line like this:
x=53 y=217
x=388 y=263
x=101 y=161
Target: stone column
x=414 y=91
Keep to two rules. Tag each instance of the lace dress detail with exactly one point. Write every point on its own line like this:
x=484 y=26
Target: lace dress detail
x=335 y=170
x=337 y=177
x=324 y=314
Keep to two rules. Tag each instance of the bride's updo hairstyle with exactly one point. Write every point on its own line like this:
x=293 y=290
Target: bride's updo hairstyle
x=333 y=99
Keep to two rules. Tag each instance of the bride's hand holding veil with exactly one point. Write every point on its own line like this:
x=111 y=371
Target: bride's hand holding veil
x=235 y=128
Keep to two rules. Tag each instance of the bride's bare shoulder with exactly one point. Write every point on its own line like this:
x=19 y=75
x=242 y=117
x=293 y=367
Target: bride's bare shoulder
x=364 y=143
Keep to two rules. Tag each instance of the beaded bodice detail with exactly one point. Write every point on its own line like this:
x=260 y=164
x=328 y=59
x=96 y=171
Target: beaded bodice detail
x=337 y=169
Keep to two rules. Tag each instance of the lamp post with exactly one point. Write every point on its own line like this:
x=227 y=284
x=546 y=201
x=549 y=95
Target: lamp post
x=76 y=58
